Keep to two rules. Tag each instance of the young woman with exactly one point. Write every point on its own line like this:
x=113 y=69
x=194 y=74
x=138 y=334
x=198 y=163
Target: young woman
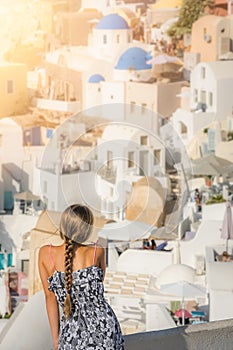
x=72 y=276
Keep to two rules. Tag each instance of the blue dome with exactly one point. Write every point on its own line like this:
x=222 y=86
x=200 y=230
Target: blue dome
x=96 y=78
x=112 y=21
x=134 y=58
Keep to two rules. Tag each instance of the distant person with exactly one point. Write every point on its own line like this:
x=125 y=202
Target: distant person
x=153 y=244
x=145 y=244
x=161 y=247
x=195 y=194
x=5 y=258
x=186 y=321
x=197 y=198
x=72 y=276
x=226 y=257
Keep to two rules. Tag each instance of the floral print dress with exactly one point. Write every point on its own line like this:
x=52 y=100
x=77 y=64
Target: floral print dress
x=92 y=323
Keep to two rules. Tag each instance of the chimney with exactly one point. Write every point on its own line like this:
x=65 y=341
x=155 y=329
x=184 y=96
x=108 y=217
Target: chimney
x=229 y=7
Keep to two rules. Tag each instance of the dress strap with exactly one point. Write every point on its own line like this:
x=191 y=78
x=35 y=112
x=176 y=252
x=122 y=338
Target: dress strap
x=94 y=256
x=51 y=256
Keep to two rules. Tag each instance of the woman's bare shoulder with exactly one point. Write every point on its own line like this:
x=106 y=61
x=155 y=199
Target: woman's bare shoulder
x=91 y=249
x=44 y=249
x=100 y=250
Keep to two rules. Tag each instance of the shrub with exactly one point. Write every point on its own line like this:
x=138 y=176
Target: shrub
x=218 y=198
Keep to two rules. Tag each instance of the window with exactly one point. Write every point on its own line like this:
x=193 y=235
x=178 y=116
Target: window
x=104 y=39
x=132 y=106
x=49 y=133
x=130 y=159
x=144 y=140
x=225 y=45
x=183 y=128
x=195 y=95
x=203 y=96
x=143 y=107
x=109 y=159
x=118 y=39
x=157 y=156
x=211 y=98
x=45 y=186
x=211 y=139
x=203 y=72
x=10 y=86
x=206 y=36
x=28 y=137
x=25 y=266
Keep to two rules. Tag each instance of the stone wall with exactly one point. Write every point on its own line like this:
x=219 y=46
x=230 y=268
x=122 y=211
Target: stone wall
x=213 y=335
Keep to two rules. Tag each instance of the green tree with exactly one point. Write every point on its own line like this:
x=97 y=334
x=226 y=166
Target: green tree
x=190 y=11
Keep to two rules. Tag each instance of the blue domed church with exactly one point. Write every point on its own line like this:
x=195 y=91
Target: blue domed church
x=112 y=31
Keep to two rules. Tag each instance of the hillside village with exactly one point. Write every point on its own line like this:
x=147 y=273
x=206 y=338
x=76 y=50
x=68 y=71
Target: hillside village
x=100 y=105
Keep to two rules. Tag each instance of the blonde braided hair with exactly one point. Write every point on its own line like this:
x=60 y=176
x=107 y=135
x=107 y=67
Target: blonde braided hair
x=75 y=227
x=69 y=252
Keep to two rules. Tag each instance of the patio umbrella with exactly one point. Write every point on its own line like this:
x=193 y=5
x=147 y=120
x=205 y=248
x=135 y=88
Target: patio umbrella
x=126 y=230
x=211 y=165
x=182 y=289
x=179 y=313
x=206 y=169
x=162 y=233
x=163 y=59
x=26 y=196
x=227 y=225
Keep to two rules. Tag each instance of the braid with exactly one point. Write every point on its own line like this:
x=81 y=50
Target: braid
x=75 y=228
x=69 y=250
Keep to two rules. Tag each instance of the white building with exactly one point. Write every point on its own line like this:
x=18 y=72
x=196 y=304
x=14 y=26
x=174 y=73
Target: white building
x=109 y=56
x=112 y=69
x=12 y=162
x=211 y=98
x=126 y=154
x=102 y=175
x=65 y=174
x=212 y=36
x=135 y=97
x=21 y=152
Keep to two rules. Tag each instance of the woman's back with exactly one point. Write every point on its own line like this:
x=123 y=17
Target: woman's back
x=86 y=268
x=84 y=256
x=92 y=323
x=72 y=275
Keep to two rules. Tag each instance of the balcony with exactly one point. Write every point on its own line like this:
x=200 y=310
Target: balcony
x=57 y=105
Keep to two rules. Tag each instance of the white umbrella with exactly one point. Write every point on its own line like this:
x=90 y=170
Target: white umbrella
x=26 y=196
x=126 y=230
x=163 y=59
x=182 y=289
x=227 y=225
x=211 y=165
